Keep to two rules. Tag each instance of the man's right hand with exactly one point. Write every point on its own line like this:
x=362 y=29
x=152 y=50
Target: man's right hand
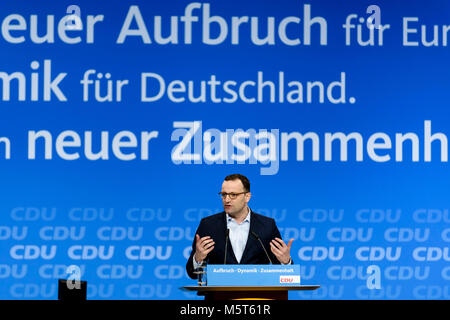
x=203 y=246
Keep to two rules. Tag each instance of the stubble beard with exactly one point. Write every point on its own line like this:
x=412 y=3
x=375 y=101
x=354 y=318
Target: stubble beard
x=238 y=212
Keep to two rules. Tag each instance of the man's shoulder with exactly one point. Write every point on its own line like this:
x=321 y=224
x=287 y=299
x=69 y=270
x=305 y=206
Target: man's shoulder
x=221 y=215
x=214 y=217
x=262 y=218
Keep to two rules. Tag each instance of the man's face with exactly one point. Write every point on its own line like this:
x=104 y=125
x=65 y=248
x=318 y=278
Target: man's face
x=235 y=207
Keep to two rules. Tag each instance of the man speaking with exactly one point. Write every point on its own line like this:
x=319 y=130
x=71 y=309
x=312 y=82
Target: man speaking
x=237 y=235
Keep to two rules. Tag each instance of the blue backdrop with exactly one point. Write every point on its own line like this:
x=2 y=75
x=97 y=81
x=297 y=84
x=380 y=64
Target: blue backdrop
x=120 y=119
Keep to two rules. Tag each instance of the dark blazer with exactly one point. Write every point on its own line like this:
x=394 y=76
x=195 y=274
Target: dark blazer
x=215 y=226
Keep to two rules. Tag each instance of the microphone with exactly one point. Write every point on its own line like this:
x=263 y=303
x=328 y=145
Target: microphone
x=227 y=236
x=260 y=242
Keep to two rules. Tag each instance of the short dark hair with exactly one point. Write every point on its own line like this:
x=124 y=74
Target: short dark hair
x=237 y=176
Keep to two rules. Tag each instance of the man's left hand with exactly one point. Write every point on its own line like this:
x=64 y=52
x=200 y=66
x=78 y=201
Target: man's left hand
x=281 y=250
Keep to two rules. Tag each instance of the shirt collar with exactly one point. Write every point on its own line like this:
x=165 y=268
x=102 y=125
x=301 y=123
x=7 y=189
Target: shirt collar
x=247 y=219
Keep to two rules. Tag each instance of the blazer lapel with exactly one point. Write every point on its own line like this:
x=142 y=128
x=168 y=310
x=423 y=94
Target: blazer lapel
x=251 y=241
x=231 y=258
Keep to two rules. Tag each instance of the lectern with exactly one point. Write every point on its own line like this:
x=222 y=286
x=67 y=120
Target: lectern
x=228 y=282
x=214 y=293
